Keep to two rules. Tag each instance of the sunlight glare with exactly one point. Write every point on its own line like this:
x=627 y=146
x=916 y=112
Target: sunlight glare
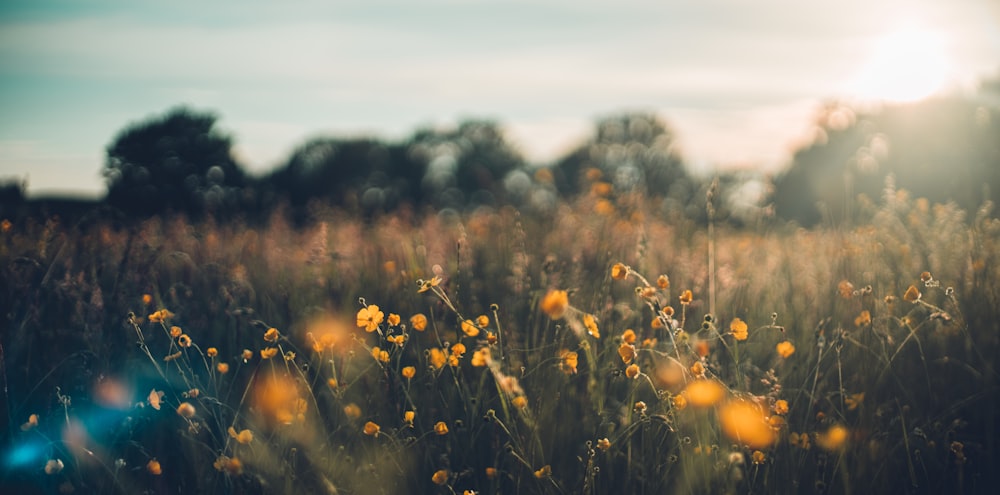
x=907 y=64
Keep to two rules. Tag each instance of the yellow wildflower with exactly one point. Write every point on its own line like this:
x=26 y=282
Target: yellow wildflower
x=568 y=361
x=555 y=304
x=470 y=328
x=632 y=371
x=863 y=319
x=211 y=352
x=912 y=295
x=436 y=358
x=481 y=357
x=33 y=419
x=785 y=348
x=418 y=322
x=679 y=402
x=153 y=467
x=663 y=282
x=222 y=368
x=629 y=336
x=175 y=331
x=544 y=472
x=520 y=402
x=745 y=422
x=408 y=417
x=739 y=329
x=244 y=436
x=228 y=465
x=781 y=406
x=268 y=353
x=440 y=477
x=833 y=439
x=352 y=411
x=704 y=392
x=370 y=317
x=604 y=444
x=186 y=410
x=184 y=340
x=458 y=349
x=619 y=271
x=626 y=352
x=147 y=299
x=380 y=355
x=757 y=457
x=441 y=428
x=247 y=354
x=371 y=428
x=686 y=297
x=483 y=320
x=271 y=335
x=393 y=319
x=409 y=372
x=426 y=285
x=591 y=323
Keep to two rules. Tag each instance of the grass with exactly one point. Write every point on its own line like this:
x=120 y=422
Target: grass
x=558 y=354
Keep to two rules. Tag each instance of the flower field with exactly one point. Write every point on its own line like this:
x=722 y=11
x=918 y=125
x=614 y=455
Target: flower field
x=599 y=349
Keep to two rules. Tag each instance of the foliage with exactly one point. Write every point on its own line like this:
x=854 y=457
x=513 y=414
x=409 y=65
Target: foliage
x=500 y=353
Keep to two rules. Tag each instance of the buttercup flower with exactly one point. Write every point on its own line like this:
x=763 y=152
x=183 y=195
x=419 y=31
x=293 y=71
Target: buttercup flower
x=436 y=358
x=604 y=444
x=393 y=319
x=211 y=352
x=663 y=282
x=186 y=410
x=425 y=285
x=184 y=340
x=441 y=428
x=440 y=477
x=268 y=353
x=271 y=335
x=483 y=320
x=409 y=372
x=739 y=329
x=555 y=304
x=912 y=294
x=632 y=371
x=686 y=297
x=781 y=406
x=222 y=368
x=591 y=324
x=619 y=271
x=629 y=336
x=785 y=349
x=370 y=317
x=470 y=328
x=418 y=322
x=175 y=331
x=371 y=429
x=153 y=467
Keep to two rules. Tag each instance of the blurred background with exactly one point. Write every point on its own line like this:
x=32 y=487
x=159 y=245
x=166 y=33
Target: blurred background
x=464 y=104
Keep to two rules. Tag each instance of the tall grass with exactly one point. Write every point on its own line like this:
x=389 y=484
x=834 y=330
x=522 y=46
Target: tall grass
x=499 y=353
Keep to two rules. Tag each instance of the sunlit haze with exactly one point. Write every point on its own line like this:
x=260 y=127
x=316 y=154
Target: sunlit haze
x=738 y=82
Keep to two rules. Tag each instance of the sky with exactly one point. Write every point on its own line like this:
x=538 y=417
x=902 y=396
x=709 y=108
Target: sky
x=738 y=81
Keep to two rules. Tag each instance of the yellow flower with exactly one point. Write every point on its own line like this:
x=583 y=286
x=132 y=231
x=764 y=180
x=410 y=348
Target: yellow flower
x=757 y=457
x=491 y=338
x=663 y=282
x=926 y=277
x=785 y=349
x=437 y=358
x=686 y=297
x=175 y=331
x=453 y=361
x=591 y=323
x=211 y=352
x=370 y=317
x=704 y=392
x=399 y=340
x=331 y=382
x=833 y=439
x=244 y=437
x=147 y=299
x=555 y=304
x=228 y=465
x=745 y=422
x=155 y=400
x=153 y=467
x=54 y=466
x=846 y=289
x=33 y=419
x=632 y=371
x=393 y=319
x=458 y=349
x=619 y=271
x=863 y=319
x=854 y=400
x=481 y=357
x=469 y=328
x=568 y=361
x=441 y=428
x=427 y=284
x=483 y=320
x=247 y=354
x=408 y=417
x=186 y=410
x=679 y=402
x=380 y=355
x=739 y=329
x=184 y=340
x=289 y=356
x=520 y=402
x=629 y=336
x=271 y=335
x=912 y=294
x=604 y=444
x=222 y=368
x=371 y=428
x=544 y=472
x=698 y=369
x=440 y=477
x=409 y=372
x=352 y=411
x=160 y=316
x=781 y=406
x=626 y=352
x=418 y=322
x=491 y=472
x=268 y=353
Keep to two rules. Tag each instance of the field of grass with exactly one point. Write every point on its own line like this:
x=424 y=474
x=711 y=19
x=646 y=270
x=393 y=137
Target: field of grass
x=603 y=349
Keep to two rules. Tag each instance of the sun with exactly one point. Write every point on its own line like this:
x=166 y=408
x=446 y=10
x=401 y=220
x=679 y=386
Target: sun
x=907 y=64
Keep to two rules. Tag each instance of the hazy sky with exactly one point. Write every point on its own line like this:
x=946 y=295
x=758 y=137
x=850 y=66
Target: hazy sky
x=738 y=80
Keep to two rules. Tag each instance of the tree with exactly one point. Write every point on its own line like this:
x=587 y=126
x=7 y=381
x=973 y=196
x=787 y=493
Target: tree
x=176 y=162
x=633 y=151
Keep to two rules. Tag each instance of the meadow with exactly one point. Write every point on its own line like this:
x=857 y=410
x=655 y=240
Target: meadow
x=607 y=347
